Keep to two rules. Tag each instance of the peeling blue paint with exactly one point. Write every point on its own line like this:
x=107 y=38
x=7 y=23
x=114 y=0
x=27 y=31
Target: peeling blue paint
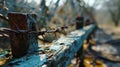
x=65 y=47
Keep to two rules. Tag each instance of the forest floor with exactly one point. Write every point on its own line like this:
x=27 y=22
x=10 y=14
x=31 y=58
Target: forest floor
x=107 y=39
x=103 y=49
x=110 y=40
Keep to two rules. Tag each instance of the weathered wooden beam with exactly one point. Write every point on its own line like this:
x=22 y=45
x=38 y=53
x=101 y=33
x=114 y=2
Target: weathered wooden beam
x=61 y=52
x=22 y=43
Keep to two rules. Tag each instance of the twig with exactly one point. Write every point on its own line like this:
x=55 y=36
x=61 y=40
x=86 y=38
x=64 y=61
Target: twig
x=4 y=18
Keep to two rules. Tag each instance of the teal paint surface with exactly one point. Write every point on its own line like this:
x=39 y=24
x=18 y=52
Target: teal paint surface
x=66 y=47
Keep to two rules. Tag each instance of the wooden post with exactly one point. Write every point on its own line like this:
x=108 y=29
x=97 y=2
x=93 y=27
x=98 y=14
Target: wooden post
x=22 y=43
x=79 y=22
x=87 y=22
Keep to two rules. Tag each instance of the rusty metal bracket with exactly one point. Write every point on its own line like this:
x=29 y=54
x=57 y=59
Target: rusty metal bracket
x=22 y=42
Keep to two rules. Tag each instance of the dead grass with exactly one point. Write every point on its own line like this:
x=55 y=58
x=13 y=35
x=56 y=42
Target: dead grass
x=110 y=29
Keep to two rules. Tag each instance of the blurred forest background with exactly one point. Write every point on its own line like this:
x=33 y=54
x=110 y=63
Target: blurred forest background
x=56 y=13
x=104 y=11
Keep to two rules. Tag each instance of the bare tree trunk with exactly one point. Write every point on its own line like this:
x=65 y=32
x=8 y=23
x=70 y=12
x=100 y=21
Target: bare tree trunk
x=90 y=13
x=116 y=23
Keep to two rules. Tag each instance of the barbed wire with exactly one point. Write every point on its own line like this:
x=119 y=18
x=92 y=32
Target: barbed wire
x=7 y=31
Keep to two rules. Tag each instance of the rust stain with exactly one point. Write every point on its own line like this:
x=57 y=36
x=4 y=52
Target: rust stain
x=19 y=41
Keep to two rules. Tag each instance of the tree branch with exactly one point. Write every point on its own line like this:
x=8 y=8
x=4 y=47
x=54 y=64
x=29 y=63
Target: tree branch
x=4 y=18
